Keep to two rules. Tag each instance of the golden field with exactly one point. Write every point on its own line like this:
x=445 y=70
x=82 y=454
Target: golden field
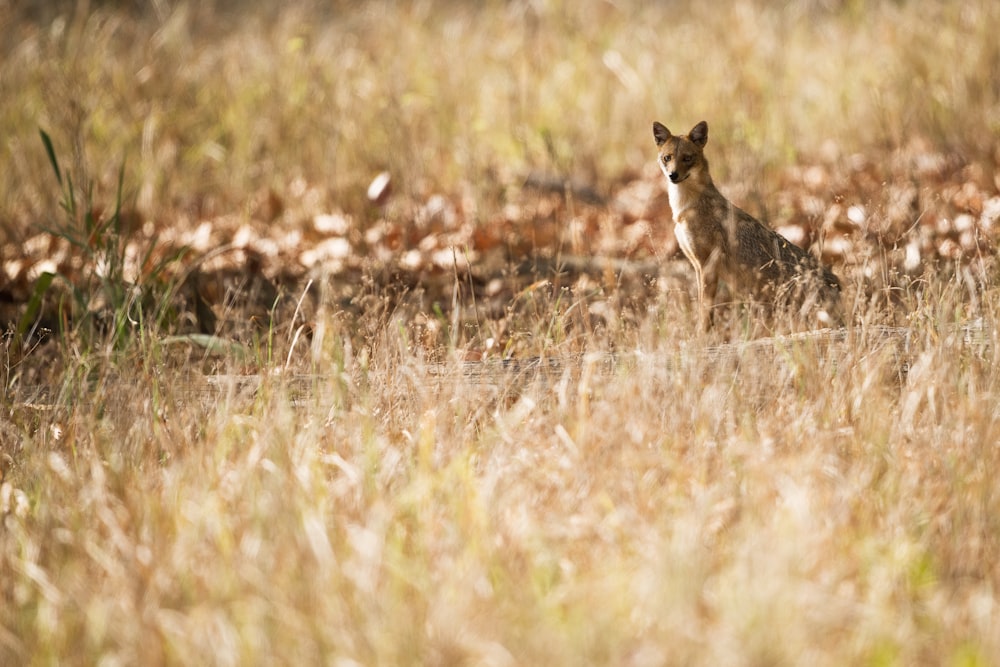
x=258 y=412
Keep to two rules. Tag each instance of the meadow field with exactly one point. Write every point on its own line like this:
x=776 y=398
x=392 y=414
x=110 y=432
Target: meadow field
x=356 y=334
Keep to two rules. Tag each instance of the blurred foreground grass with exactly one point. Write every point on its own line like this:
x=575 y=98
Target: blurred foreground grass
x=829 y=504
x=823 y=503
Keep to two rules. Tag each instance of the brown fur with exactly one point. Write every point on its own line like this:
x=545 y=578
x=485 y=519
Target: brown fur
x=724 y=242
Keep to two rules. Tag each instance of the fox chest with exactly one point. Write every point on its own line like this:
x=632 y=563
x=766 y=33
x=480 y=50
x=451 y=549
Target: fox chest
x=685 y=240
x=697 y=240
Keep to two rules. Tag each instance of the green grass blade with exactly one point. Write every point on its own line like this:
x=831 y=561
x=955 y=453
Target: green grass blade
x=211 y=344
x=52 y=155
x=35 y=303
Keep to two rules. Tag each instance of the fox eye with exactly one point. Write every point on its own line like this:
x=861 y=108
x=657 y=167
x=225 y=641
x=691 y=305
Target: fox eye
x=667 y=158
x=687 y=159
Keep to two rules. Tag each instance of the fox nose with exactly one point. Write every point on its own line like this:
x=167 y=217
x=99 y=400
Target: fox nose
x=674 y=176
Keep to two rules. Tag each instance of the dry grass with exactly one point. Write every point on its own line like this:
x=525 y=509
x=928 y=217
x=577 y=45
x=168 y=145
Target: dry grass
x=209 y=107
x=831 y=503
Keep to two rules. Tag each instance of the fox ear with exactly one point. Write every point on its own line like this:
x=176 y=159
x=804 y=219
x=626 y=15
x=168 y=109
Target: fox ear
x=699 y=134
x=660 y=133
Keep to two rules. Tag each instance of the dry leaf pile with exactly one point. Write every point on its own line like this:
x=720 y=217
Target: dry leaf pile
x=913 y=210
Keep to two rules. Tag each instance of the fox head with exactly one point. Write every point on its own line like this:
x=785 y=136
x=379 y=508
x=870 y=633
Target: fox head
x=681 y=157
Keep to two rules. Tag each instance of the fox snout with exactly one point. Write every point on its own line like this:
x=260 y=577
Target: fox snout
x=674 y=177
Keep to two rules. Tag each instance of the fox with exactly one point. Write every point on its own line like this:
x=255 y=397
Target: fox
x=723 y=242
